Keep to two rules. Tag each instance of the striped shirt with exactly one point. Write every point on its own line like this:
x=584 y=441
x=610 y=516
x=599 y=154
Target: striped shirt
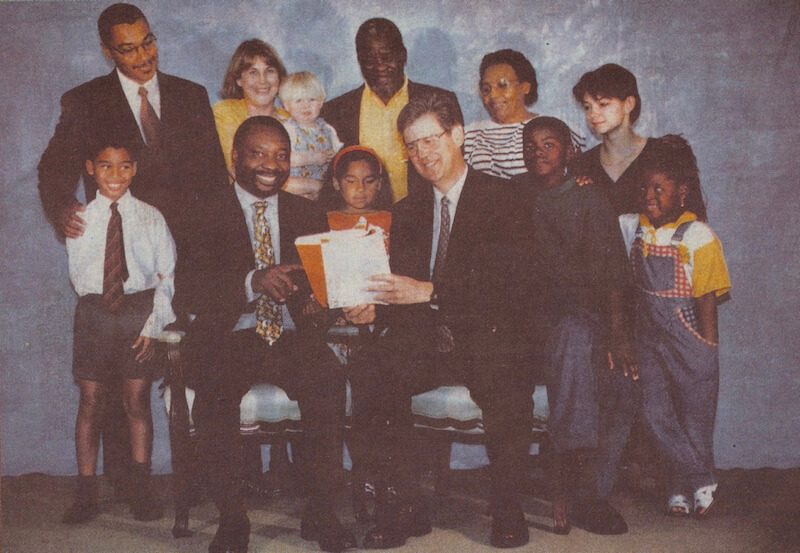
x=495 y=149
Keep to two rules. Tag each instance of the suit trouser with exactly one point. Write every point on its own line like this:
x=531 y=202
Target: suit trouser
x=591 y=406
x=307 y=370
x=391 y=370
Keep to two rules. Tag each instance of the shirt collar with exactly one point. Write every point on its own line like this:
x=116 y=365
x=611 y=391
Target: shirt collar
x=399 y=95
x=455 y=191
x=105 y=202
x=247 y=199
x=686 y=217
x=131 y=87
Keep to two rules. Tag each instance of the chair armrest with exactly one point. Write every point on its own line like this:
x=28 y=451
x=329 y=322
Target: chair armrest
x=174 y=371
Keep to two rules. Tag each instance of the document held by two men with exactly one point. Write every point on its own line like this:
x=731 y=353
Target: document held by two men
x=339 y=263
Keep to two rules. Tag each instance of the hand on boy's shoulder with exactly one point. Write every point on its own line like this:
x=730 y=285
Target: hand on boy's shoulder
x=71 y=224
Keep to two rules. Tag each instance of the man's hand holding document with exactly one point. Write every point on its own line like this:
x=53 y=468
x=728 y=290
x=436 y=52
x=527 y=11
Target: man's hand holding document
x=339 y=263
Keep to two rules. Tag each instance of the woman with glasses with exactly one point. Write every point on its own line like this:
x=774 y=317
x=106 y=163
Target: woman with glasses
x=251 y=85
x=508 y=88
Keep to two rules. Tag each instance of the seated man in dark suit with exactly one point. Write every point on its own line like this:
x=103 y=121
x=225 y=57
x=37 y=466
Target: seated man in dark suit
x=242 y=279
x=167 y=119
x=367 y=114
x=451 y=320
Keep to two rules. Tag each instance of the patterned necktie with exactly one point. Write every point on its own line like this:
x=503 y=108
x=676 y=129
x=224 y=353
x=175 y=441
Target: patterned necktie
x=269 y=318
x=444 y=337
x=444 y=240
x=115 y=268
x=150 y=122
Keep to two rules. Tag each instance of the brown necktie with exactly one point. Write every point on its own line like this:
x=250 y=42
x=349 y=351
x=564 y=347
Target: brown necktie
x=150 y=122
x=115 y=268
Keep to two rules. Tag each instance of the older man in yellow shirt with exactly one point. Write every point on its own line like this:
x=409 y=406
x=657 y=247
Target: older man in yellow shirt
x=368 y=114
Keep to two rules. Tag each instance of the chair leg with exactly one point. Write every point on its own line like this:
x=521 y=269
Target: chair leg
x=276 y=480
x=184 y=460
x=440 y=451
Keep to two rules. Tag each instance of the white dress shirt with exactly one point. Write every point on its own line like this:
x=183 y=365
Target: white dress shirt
x=149 y=255
x=246 y=200
x=131 y=90
x=452 y=195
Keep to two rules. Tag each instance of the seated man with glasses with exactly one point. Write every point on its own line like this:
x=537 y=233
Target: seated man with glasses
x=452 y=318
x=166 y=119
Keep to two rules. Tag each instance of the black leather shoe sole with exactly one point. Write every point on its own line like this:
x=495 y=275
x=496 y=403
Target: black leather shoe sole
x=332 y=540
x=232 y=537
x=509 y=532
x=598 y=518
x=384 y=538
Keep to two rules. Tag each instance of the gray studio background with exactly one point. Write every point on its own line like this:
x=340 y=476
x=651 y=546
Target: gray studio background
x=723 y=73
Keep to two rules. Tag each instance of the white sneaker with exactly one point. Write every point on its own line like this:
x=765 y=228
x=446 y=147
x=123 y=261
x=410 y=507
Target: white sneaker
x=703 y=499
x=678 y=505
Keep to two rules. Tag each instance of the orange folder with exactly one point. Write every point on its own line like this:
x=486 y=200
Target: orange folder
x=311 y=257
x=339 y=220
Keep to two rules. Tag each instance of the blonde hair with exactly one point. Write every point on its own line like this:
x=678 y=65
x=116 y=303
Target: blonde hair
x=298 y=84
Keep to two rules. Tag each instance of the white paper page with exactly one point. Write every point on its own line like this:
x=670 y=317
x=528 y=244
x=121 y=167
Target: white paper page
x=350 y=258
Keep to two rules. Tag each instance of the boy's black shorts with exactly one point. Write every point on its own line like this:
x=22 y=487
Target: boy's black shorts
x=102 y=340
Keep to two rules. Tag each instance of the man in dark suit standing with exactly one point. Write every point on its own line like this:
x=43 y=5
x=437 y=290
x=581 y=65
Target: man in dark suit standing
x=451 y=319
x=257 y=322
x=167 y=119
x=367 y=114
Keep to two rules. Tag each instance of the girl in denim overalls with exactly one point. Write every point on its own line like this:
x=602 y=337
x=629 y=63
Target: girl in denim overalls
x=679 y=273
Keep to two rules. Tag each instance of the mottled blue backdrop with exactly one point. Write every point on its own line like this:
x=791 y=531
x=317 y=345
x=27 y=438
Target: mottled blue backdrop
x=723 y=73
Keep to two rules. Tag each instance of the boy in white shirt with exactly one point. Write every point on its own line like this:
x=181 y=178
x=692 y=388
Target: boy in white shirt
x=122 y=267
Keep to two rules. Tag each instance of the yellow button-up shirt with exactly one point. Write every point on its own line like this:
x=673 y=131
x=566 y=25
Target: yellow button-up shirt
x=378 y=130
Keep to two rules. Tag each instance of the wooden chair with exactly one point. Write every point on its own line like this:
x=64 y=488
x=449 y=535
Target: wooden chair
x=447 y=415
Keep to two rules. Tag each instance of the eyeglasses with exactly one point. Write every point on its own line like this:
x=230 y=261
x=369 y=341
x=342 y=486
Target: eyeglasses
x=427 y=141
x=502 y=85
x=148 y=44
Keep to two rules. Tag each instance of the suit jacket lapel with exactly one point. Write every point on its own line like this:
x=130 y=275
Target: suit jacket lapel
x=356 y=129
x=290 y=221
x=424 y=231
x=238 y=237
x=169 y=100
x=121 y=109
x=285 y=224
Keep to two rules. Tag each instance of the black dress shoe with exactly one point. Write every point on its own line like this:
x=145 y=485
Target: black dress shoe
x=232 y=536
x=78 y=513
x=396 y=521
x=598 y=517
x=328 y=532
x=509 y=528
x=85 y=506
